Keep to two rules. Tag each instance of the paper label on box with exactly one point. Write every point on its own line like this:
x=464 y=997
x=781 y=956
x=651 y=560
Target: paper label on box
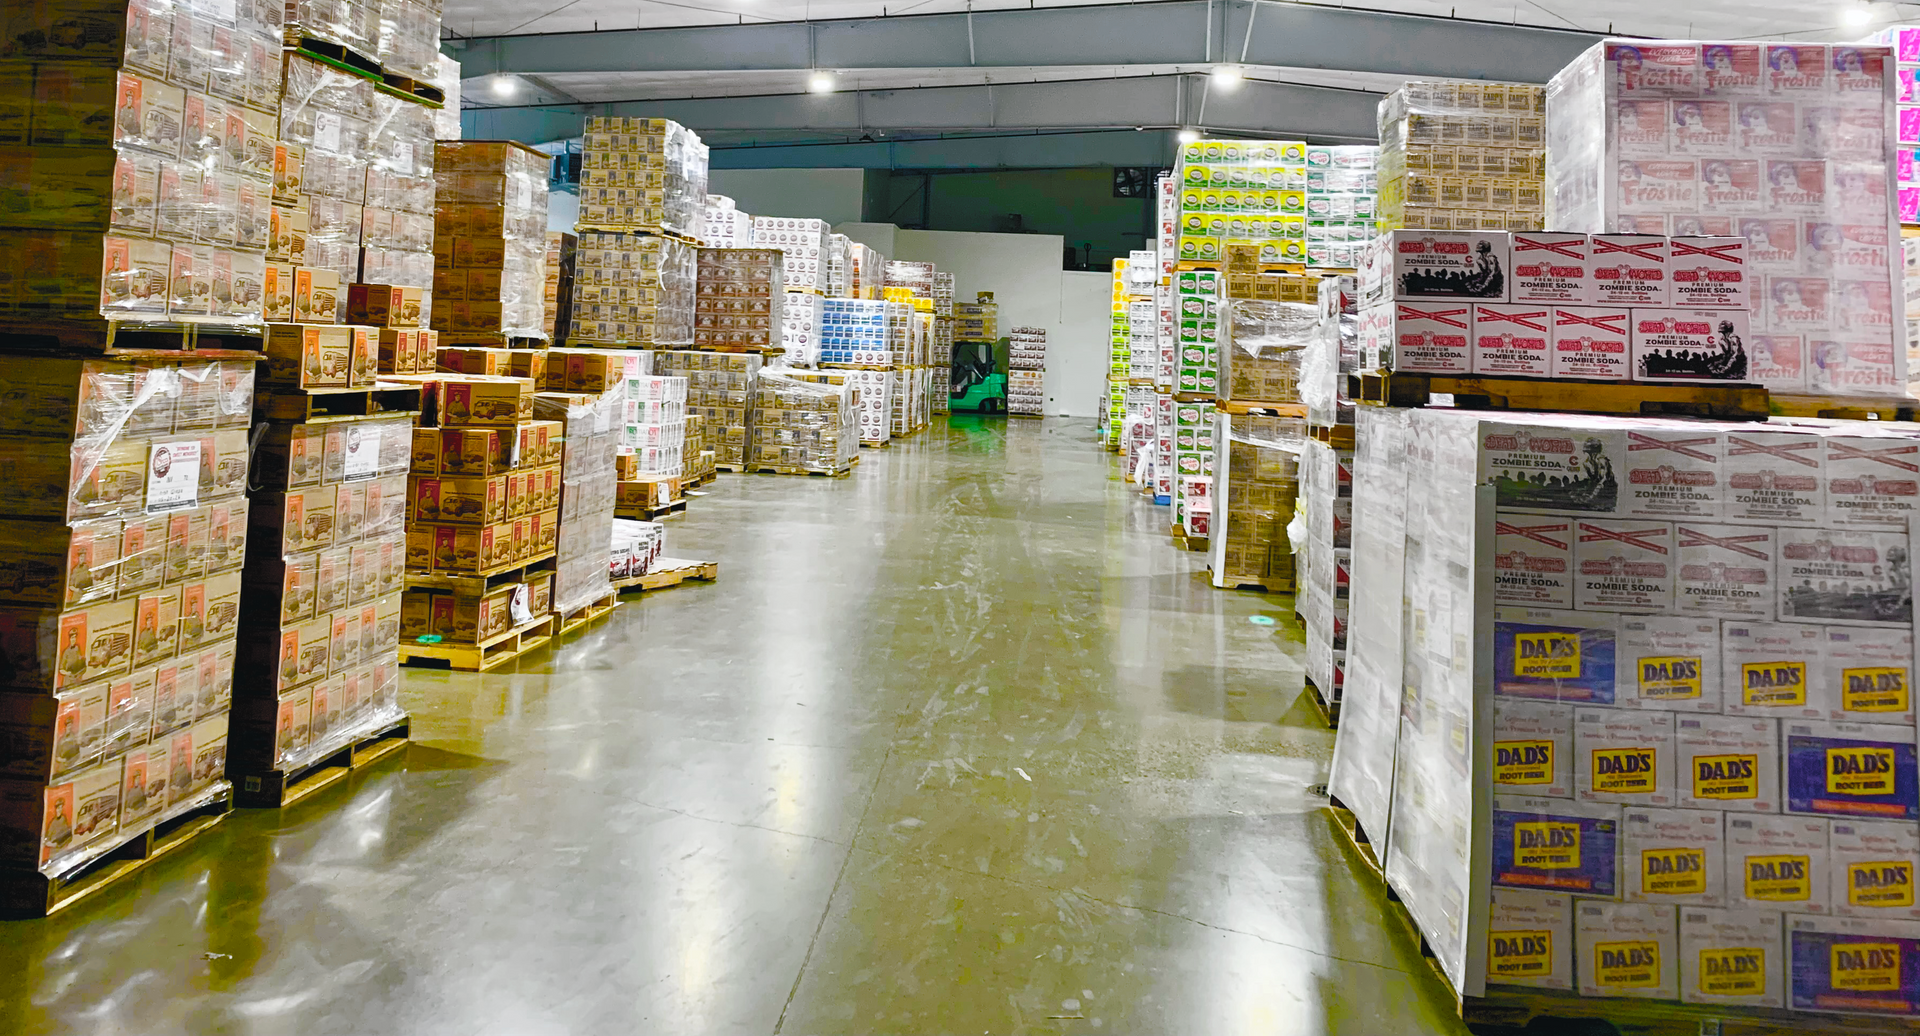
x=1668 y=662
x=1592 y=343
x=173 y=474
x=1851 y=770
x=1674 y=473
x=1623 y=565
x=361 y=452
x=1844 y=577
x=1533 y=560
x=1725 y=570
x=1557 y=656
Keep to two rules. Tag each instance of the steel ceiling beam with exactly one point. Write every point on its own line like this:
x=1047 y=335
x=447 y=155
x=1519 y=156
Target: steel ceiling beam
x=983 y=151
x=1285 y=35
x=1257 y=108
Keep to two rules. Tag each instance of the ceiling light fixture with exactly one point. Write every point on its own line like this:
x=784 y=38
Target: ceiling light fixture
x=820 y=82
x=504 y=86
x=1855 y=15
x=1227 y=78
x=1188 y=136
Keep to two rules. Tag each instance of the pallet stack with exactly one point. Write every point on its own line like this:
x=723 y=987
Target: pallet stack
x=1325 y=554
x=940 y=378
x=490 y=242
x=720 y=392
x=589 y=427
x=858 y=336
x=1027 y=371
x=326 y=560
x=911 y=285
x=1464 y=156
x=657 y=449
x=805 y=424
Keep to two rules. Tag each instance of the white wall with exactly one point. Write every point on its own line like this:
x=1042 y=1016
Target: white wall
x=1078 y=364
x=563 y=211
x=878 y=236
x=834 y=195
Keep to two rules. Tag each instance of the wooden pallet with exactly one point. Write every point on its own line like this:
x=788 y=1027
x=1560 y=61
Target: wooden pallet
x=670 y=572
x=1730 y=402
x=134 y=341
x=278 y=403
x=278 y=789
x=789 y=469
x=1338 y=436
x=856 y=366
x=573 y=620
x=1329 y=709
x=1243 y=407
x=1186 y=542
x=876 y=444
x=1849 y=408
x=649 y=230
x=31 y=894
x=342 y=57
x=649 y=514
x=412 y=89
x=491 y=653
x=463 y=580
x=729 y=467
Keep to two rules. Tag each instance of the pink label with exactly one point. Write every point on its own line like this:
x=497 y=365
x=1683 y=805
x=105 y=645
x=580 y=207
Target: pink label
x=1670 y=68
x=1909 y=126
x=1910 y=204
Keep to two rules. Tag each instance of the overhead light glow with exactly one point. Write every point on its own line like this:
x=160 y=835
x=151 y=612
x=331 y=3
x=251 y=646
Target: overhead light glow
x=1856 y=15
x=1188 y=136
x=820 y=82
x=1227 y=77
x=504 y=86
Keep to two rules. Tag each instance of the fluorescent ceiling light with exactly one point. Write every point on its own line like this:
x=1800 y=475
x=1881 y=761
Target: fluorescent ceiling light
x=1226 y=77
x=1188 y=136
x=820 y=82
x=504 y=86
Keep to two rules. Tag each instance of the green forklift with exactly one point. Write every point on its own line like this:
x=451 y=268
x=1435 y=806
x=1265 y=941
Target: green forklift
x=978 y=381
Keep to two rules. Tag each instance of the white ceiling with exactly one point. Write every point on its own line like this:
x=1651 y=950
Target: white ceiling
x=1705 y=19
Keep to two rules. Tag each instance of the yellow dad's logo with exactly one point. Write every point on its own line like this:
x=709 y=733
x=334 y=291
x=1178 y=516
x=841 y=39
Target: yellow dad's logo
x=1726 y=776
x=1860 y=771
x=1733 y=971
x=1518 y=954
x=1773 y=683
x=1876 y=689
x=1672 y=678
x=1864 y=966
x=1673 y=872
x=1778 y=879
x=1880 y=883
x=1546 y=845
x=1523 y=762
x=1547 y=656
x=1626 y=964
x=1625 y=771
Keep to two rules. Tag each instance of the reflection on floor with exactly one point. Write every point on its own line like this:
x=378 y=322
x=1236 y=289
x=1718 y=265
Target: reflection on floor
x=959 y=744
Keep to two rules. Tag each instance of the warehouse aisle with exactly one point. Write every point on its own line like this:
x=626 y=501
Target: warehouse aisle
x=956 y=745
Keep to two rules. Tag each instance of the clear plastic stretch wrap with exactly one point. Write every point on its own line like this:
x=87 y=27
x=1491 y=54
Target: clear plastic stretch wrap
x=397 y=226
x=840 y=267
x=587 y=493
x=1331 y=354
x=490 y=238
x=139 y=137
x=654 y=424
x=858 y=330
x=1693 y=723
x=637 y=547
x=804 y=242
x=320 y=183
x=723 y=225
x=738 y=297
x=803 y=424
x=1788 y=145
x=1193 y=455
x=409 y=40
x=1253 y=499
x=1262 y=350
x=1322 y=535
x=321 y=600
x=802 y=322
x=354 y=24
x=1463 y=156
x=720 y=390
x=126 y=525
x=642 y=174
x=1242 y=191
x=634 y=289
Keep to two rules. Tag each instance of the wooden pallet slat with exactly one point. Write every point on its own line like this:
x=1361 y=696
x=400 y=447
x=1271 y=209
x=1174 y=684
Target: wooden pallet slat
x=275 y=403
x=483 y=656
x=1329 y=708
x=498 y=573
x=278 y=789
x=575 y=619
x=1646 y=399
x=670 y=572
x=31 y=894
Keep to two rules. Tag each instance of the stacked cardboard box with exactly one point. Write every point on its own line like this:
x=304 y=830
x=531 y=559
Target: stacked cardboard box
x=490 y=239
x=1904 y=41
x=126 y=528
x=724 y=225
x=803 y=425
x=643 y=175
x=141 y=143
x=868 y=271
x=319 y=191
x=1783 y=145
x=839 y=266
x=802 y=321
x=1326 y=499
x=1253 y=498
x=1243 y=191
x=1263 y=346
x=589 y=425
x=409 y=40
x=1193 y=453
x=353 y=24
x=720 y=389
x=859 y=331
x=699 y=454
x=1463 y=156
x=977 y=321
x=1027 y=370
x=1701 y=641
x=561 y=249
x=653 y=427
x=397 y=224
x=637 y=548
x=634 y=289
x=1342 y=184
x=738 y=298
x=804 y=242
x=485 y=480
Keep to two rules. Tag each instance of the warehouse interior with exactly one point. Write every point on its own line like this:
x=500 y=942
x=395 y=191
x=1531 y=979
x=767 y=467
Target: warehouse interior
x=959 y=516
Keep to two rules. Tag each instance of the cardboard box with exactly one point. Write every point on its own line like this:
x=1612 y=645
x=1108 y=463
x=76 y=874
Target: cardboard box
x=477 y=501
x=316 y=295
x=467 y=400
x=1430 y=264
x=1867 y=676
x=1774 y=477
x=1728 y=763
x=1668 y=662
x=1533 y=748
x=1674 y=471
x=1532 y=560
x=1530 y=939
x=1624 y=756
x=1556 y=845
x=1777 y=863
x=1552 y=268
x=1735 y=956
x=1554 y=655
x=1770 y=669
x=1872 y=869
x=1629 y=270
x=1429 y=337
x=1709 y=273
x=1852 y=770
x=1844 y=577
x=1592 y=343
x=1673 y=856
x=1568 y=467
x=1854 y=965
x=1871 y=481
x=384 y=305
x=1725 y=570
x=1623 y=566
x=1627 y=949
x=1512 y=340
x=1691 y=345
x=60 y=565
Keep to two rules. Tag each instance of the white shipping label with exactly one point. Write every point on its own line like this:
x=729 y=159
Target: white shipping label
x=361 y=453
x=173 y=474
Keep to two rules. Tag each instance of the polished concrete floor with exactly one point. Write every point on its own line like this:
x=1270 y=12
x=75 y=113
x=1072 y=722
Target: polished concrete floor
x=958 y=745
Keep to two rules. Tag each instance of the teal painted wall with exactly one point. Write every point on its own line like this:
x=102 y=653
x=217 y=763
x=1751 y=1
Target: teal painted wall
x=1077 y=204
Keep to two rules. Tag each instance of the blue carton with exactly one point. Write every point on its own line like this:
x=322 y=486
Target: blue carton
x=1554 y=656
x=1851 y=770
x=1556 y=845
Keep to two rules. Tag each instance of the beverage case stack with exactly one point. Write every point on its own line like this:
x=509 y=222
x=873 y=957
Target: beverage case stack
x=1463 y=156
x=1255 y=489
x=326 y=562
x=1787 y=146
x=804 y=243
x=724 y=225
x=1699 y=640
x=590 y=427
x=861 y=333
x=867 y=271
x=1027 y=371
x=643 y=175
x=658 y=445
x=1343 y=183
x=126 y=520
x=1193 y=456
x=142 y=139
x=803 y=425
x=1323 y=560
x=633 y=290
x=1905 y=44
x=839 y=266
x=490 y=241
x=396 y=260
x=720 y=392
x=738 y=299
x=940 y=380
x=1243 y=191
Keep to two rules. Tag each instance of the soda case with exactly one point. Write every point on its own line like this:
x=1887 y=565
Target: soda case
x=1253 y=499
x=1263 y=348
x=561 y=252
x=653 y=424
x=141 y=136
x=120 y=597
x=1788 y=145
x=587 y=492
x=804 y=242
x=916 y=277
x=1342 y=203
x=646 y=175
x=860 y=330
x=397 y=224
x=738 y=297
x=1462 y=156
x=1234 y=191
x=1325 y=541
x=723 y=225
x=490 y=238
x=1727 y=659
x=720 y=389
x=320 y=189
x=804 y=424
x=634 y=289
x=322 y=593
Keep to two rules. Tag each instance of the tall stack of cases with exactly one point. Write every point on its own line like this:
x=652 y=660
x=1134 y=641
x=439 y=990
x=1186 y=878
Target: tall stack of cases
x=643 y=208
x=326 y=564
x=590 y=428
x=1463 y=156
x=803 y=424
x=127 y=523
x=941 y=378
x=1027 y=371
x=396 y=273
x=1788 y=147
x=489 y=241
x=1701 y=755
x=867 y=271
x=861 y=334
x=1325 y=541
x=1255 y=491
x=724 y=225
x=720 y=392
